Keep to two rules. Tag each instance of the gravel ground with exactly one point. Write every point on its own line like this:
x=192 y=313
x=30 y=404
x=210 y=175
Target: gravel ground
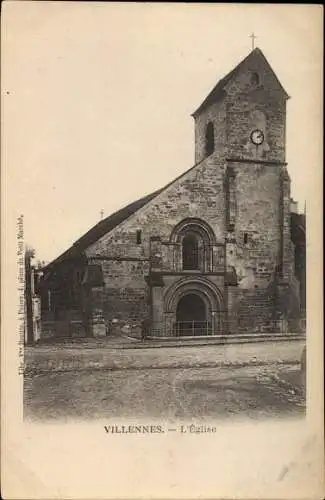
x=213 y=381
x=252 y=392
x=50 y=358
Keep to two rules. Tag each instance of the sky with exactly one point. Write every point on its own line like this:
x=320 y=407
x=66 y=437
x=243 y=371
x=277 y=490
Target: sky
x=97 y=101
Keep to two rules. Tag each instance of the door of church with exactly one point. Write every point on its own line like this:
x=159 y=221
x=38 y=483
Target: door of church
x=191 y=317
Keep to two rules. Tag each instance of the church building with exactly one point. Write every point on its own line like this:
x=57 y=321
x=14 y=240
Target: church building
x=213 y=252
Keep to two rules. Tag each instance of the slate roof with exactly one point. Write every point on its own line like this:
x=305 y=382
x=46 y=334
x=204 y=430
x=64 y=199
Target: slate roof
x=218 y=91
x=100 y=229
x=106 y=225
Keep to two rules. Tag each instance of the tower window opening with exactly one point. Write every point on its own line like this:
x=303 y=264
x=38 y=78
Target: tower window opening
x=245 y=238
x=190 y=252
x=139 y=237
x=255 y=79
x=209 y=139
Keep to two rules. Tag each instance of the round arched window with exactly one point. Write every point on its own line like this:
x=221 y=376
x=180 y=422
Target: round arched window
x=190 y=252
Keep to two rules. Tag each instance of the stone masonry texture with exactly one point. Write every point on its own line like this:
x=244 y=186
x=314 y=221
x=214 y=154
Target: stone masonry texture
x=237 y=199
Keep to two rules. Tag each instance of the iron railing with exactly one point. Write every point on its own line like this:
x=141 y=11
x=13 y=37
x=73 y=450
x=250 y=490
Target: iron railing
x=221 y=325
x=192 y=328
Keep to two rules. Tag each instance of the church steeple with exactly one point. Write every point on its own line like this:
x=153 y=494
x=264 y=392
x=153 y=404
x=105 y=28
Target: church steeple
x=245 y=92
x=254 y=58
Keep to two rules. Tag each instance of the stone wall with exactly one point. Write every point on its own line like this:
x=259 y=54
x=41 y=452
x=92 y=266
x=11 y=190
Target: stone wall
x=216 y=113
x=125 y=262
x=243 y=107
x=124 y=298
x=198 y=193
x=248 y=112
x=259 y=242
x=255 y=310
x=257 y=228
x=64 y=324
x=258 y=186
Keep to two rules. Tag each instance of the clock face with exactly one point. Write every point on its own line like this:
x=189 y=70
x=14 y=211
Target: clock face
x=257 y=137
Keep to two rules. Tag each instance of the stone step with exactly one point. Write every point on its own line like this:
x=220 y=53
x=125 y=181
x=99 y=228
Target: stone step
x=234 y=339
x=125 y=342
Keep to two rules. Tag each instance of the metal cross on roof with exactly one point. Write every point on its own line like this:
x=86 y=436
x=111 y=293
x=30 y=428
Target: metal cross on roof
x=252 y=36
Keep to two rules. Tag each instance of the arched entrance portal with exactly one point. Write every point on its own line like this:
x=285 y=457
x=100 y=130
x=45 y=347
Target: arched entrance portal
x=193 y=306
x=191 y=316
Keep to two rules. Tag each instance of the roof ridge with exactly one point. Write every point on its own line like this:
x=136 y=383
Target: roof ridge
x=95 y=232
x=218 y=89
x=222 y=82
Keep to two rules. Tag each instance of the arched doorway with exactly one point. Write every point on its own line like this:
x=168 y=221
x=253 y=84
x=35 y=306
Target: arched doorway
x=193 y=306
x=191 y=316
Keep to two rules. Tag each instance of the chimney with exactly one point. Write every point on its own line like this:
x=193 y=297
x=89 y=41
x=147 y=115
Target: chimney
x=293 y=206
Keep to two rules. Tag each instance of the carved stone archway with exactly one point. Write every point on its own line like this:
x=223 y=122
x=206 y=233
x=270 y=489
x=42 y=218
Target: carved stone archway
x=207 y=292
x=203 y=239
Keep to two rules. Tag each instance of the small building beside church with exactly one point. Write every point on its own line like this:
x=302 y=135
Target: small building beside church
x=212 y=253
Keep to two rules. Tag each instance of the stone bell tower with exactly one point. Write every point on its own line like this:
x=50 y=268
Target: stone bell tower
x=242 y=124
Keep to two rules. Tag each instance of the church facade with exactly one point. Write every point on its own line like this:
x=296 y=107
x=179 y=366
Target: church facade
x=209 y=254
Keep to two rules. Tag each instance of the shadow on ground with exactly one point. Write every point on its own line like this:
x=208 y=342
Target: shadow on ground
x=250 y=392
